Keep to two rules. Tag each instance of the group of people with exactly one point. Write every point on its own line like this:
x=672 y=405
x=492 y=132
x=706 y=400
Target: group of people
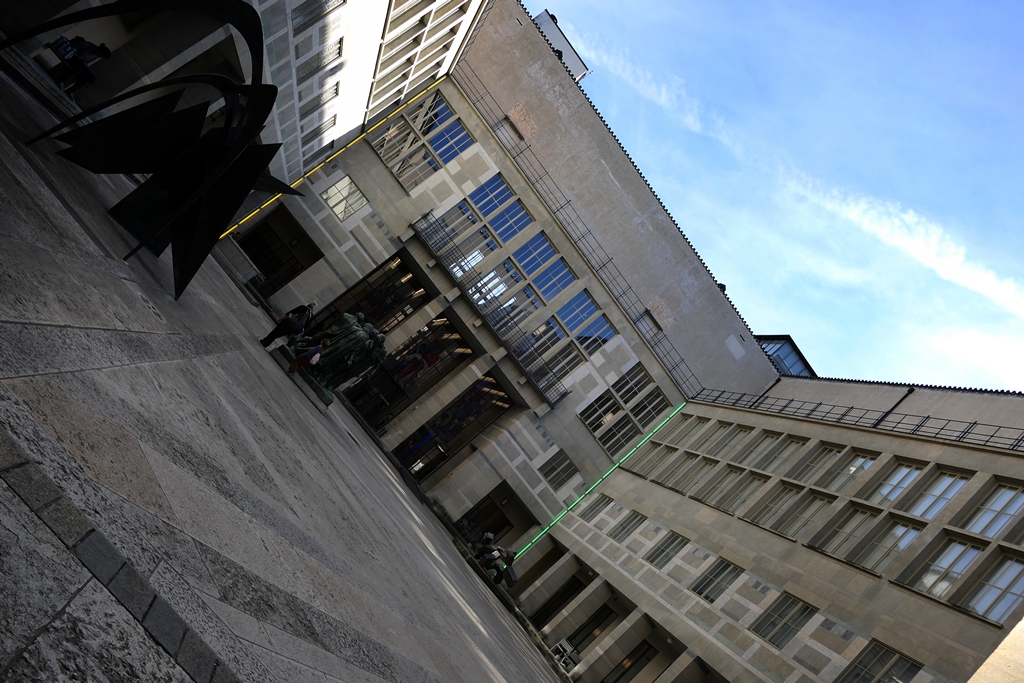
x=496 y=558
x=346 y=349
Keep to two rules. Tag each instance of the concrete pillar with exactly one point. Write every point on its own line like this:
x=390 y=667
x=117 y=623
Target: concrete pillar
x=612 y=648
x=416 y=415
x=577 y=612
x=687 y=668
x=415 y=322
x=549 y=582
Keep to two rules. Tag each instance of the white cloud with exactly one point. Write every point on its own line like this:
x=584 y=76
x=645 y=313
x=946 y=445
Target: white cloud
x=670 y=96
x=917 y=237
x=992 y=360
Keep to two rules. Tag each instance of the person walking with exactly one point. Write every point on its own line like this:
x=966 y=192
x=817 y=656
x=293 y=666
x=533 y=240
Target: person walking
x=291 y=323
x=310 y=356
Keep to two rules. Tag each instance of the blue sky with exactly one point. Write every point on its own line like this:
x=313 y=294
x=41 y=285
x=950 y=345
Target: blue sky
x=852 y=172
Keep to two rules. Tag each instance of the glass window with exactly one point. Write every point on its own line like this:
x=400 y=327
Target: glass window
x=945 y=566
x=716 y=580
x=771 y=510
x=725 y=446
x=999 y=508
x=554 y=279
x=626 y=526
x=344 y=198
x=495 y=284
x=1000 y=592
x=804 y=515
x=744 y=492
x=632 y=382
x=451 y=142
x=760 y=447
x=939 y=491
x=592 y=630
x=685 y=426
x=818 y=463
x=719 y=485
x=783 y=620
x=489 y=196
x=689 y=479
x=880 y=664
x=545 y=337
x=457 y=220
x=600 y=412
x=665 y=549
x=896 y=481
x=850 y=529
x=772 y=462
x=564 y=360
x=594 y=508
x=628 y=669
x=647 y=409
x=514 y=311
x=855 y=465
x=577 y=311
x=595 y=335
x=473 y=250
x=510 y=222
x=887 y=544
x=558 y=470
x=675 y=470
x=619 y=435
x=709 y=435
x=535 y=253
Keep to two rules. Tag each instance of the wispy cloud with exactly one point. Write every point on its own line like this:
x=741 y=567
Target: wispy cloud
x=670 y=95
x=923 y=240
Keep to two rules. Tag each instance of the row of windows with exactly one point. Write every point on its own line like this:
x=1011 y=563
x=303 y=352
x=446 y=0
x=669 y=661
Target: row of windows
x=787 y=615
x=624 y=397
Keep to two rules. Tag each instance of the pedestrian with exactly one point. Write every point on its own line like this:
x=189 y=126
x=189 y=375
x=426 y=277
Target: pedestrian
x=81 y=73
x=310 y=356
x=291 y=323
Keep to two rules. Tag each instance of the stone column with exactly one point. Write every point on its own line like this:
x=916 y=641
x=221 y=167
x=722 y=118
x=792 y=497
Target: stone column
x=612 y=648
x=549 y=582
x=687 y=668
x=577 y=612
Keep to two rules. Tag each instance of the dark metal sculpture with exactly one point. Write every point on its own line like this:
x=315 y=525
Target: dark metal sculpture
x=355 y=348
x=198 y=180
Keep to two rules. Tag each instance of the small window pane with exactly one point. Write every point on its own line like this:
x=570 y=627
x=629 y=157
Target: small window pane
x=935 y=496
x=344 y=198
x=884 y=547
x=594 y=508
x=999 y=593
x=783 y=620
x=993 y=515
x=880 y=664
x=625 y=528
x=716 y=580
x=558 y=470
x=665 y=549
x=945 y=566
x=896 y=481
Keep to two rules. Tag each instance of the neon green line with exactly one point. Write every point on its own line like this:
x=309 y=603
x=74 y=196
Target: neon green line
x=616 y=466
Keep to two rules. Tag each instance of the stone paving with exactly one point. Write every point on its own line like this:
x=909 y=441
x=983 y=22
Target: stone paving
x=172 y=507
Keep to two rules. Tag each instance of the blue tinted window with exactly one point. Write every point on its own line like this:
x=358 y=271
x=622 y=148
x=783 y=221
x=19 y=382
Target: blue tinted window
x=553 y=280
x=510 y=221
x=534 y=253
x=576 y=312
x=595 y=335
x=489 y=196
x=450 y=142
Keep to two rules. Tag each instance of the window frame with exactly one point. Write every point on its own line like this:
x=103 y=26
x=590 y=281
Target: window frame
x=716 y=580
x=783 y=609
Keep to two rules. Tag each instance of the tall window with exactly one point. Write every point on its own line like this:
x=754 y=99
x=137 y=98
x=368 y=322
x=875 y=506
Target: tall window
x=1000 y=592
x=633 y=381
x=490 y=196
x=804 y=515
x=693 y=476
x=544 y=338
x=665 y=549
x=896 y=481
x=415 y=146
x=595 y=335
x=626 y=670
x=783 y=620
x=774 y=461
x=553 y=279
x=710 y=435
x=344 y=198
x=818 y=463
x=856 y=464
x=851 y=528
x=310 y=67
x=601 y=411
x=579 y=309
x=450 y=142
x=686 y=426
x=731 y=500
x=771 y=510
x=937 y=494
x=944 y=567
x=648 y=408
x=719 y=485
x=725 y=446
x=535 y=253
x=594 y=508
x=887 y=544
x=619 y=435
x=757 y=451
x=564 y=361
x=998 y=510
x=716 y=580
x=676 y=470
x=510 y=221
x=626 y=526
x=880 y=664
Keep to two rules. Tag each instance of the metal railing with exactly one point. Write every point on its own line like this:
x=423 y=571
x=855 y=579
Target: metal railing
x=975 y=433
x=577 y=230
x=439 y=240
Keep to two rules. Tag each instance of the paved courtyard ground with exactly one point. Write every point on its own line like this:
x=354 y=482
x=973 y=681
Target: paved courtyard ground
x=172 y=506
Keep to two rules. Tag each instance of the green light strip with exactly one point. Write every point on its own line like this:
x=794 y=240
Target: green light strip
x=596 y=483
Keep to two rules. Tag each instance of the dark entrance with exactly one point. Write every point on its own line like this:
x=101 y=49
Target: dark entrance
x=501 y=512
x=281 y=249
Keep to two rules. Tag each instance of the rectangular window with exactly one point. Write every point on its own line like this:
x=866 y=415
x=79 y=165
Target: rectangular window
x=665 y=549
x=725 y=446
x=510 y=221
x=771 y=510
x=654 y=460
x=554 y=279
x=725 y=479
x=896 y=482
x=939 y=491
x=804 y=515
x=626 y=526
x=880 y=664
x=630 y=667
x=473 y=250
x=716 y=580
x=757 y=451
x=600 y=411
x=450 y=142
x=594 y=508
x=317 y=132
x=945 y=566
x=632 y=382
x=1000 y=592
x=856 y=464
x=688 y=425
x=558 y=470
x=774 y=461
x=534 y=254
x=307 y=13
x=850 y=529
x=491 y=195
x=344 y=198
x=579 y=309
x=595 y=335
x=593 y=629
x=709 y=435
x=320 y=100
x=458 y=220
x=741 y=494
x=495 y=283
x=518 y=309
x=886 y=545
x=693 y=476
x=310 y=67
x=544 y=338
x=647 y=409
x=619 y=435
x=676 y=470
x=783 y=620
x=998 y=510
x=564 y=360
x=823 y=459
